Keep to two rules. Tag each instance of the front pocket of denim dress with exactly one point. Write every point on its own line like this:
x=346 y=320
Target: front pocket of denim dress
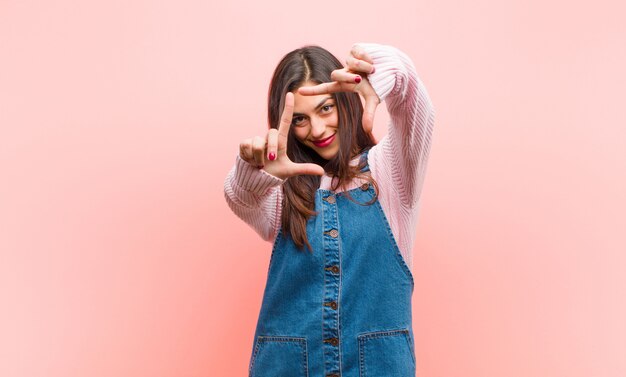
x=386 y=353
x=279 y=356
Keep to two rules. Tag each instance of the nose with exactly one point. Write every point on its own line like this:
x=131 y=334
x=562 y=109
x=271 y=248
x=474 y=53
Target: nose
x=318 y=127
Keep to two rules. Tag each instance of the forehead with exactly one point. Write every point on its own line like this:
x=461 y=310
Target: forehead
x=304 y=104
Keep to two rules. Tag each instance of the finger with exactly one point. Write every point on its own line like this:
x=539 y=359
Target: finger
x=359 y=53
x=258 y=151
x=285 y=119
x=324 y=88
x=341 y=75
x=245 y=150
x=369 y=111
x=306 y=169
x=272 y=144
x=358 y=65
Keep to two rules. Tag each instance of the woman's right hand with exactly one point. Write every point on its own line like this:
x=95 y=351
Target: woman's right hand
x=270 y=152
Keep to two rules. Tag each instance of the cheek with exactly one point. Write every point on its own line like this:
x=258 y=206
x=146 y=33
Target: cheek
x=300 y=133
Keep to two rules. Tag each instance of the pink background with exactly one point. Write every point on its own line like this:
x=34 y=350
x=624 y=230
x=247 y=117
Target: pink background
x=120 y=119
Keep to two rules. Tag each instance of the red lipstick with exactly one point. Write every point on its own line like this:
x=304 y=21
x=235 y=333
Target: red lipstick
x=325 y=142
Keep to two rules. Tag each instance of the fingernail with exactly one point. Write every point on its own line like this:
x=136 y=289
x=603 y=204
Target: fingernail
x=373 y=69
x=357 y=79
x=272 y=156
x=261 y=166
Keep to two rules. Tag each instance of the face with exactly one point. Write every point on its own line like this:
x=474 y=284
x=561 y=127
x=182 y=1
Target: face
x=315 y=123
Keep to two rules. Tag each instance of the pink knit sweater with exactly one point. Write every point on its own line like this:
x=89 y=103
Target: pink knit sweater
x=397 y=163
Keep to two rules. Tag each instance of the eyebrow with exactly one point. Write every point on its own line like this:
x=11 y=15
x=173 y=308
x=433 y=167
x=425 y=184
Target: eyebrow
x=318 y=105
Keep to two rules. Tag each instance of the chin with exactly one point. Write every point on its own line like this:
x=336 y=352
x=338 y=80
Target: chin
x=327 y=155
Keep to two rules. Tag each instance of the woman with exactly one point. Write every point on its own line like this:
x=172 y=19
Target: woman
x=341 y=211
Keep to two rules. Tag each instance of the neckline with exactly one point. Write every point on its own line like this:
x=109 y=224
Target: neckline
x=341 y=192
x=357 y=159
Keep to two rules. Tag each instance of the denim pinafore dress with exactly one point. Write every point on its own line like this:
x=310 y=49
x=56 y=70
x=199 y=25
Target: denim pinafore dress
x=343 y=310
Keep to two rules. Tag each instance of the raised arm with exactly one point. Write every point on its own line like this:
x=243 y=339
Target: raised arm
x=402 y=154
x=255 y=196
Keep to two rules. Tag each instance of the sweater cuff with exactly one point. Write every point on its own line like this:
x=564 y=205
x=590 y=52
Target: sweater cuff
x=391 y=65
x=253 y=179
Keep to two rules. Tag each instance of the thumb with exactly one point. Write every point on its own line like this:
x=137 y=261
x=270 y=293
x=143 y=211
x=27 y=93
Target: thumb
x=307 y=169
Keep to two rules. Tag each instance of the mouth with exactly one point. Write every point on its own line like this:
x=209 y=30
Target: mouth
x=324 y=142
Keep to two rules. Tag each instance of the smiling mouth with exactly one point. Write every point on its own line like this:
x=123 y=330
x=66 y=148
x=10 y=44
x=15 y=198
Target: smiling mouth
x=325 y=142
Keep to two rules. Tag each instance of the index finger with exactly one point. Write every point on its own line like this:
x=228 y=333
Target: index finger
x=323 y=88
x=359 y=53
x=287 y=115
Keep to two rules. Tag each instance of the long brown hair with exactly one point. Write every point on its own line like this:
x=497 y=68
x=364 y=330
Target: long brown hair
x=315 y=64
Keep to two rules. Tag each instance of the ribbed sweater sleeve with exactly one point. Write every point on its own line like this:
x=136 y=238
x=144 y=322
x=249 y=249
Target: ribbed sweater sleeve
x=255 y=196
x=398 y=162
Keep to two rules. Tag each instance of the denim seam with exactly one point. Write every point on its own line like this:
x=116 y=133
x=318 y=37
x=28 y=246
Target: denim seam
x=323 y=285
x=278 y=238
x=302 y=342
x=338 y=315
x=412 y=351
x=364 y=337
x=391 y=237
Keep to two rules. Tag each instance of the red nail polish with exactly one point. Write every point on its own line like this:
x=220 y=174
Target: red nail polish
x=272 y=156
x=357 y=79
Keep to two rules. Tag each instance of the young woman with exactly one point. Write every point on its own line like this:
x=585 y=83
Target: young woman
x=341 y=211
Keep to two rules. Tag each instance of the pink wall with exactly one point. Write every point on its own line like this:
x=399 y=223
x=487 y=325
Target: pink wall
x=120 y=119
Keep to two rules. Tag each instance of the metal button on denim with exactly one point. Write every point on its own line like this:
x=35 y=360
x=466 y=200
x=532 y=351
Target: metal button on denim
x=365 y=186
x=332 y=375
x=333 y=341
x=330 y=199
x=332 y=304
x=334 y=269
x=333 y=233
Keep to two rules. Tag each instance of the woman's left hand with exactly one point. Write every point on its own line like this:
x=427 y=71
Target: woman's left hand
x=353 y=78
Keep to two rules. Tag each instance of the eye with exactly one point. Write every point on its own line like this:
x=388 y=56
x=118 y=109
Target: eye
x=298 y=120
x=327 y=108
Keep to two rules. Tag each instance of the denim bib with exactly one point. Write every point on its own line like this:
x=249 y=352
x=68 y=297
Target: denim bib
x=343 y=310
